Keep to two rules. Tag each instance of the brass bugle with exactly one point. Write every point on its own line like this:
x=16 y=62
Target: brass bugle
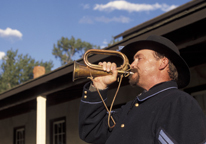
x=87 y=70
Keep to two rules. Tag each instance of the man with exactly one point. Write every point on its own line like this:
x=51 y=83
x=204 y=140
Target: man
x=162 y=114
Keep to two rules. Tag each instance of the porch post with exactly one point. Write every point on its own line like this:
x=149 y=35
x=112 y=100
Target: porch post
x=41 y=120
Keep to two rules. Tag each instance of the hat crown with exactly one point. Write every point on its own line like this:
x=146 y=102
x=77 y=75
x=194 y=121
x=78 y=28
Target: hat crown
x=164 y=41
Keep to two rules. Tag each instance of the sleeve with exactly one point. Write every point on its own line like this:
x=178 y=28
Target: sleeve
x=182 y=122
x=93 y=127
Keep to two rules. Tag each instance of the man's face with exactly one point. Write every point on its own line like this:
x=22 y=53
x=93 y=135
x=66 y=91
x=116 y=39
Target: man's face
x=145 y=67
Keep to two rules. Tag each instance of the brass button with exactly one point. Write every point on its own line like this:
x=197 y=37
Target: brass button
x=122 y=125
x=136 y=104
x=85 y=96
x=85 y=92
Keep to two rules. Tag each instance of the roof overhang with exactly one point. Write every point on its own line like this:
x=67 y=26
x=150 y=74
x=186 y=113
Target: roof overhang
x=185 y=26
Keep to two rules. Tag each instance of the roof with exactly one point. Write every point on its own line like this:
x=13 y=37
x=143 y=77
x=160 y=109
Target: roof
x=165 y=18
x=183 y=25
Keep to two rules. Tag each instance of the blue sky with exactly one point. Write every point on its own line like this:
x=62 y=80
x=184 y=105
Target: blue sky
x=34 y=26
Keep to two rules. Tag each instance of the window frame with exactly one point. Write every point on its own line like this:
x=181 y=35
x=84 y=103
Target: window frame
x=54 y=122
x=20 y=129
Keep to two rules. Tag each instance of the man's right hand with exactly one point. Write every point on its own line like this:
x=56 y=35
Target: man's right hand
x=102 y=82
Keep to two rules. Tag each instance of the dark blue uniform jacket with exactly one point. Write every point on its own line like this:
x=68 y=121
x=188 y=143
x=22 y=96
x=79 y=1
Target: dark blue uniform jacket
x=162 y=115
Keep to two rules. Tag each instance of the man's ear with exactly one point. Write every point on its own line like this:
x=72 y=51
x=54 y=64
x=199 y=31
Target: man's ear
x=163 y=63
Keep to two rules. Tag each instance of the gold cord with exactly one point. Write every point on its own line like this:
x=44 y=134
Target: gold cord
x=109 y=111
x=120 y=81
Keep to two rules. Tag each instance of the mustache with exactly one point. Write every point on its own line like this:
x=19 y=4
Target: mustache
x=134 y=70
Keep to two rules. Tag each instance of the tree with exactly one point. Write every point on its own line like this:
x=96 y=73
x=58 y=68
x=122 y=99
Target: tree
x=66 y=49
x=17 y=69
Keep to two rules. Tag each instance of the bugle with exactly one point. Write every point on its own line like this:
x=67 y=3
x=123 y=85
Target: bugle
x=87 y=70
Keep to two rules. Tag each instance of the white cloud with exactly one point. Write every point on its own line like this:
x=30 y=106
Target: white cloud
x=121 y=19
x=85 y=6
x=2 y=54
x=102 y=46
x=91 y=20
x=132 y=7
x=168 y=8
x=10 y=33
x=105 y=42
x=87 y=20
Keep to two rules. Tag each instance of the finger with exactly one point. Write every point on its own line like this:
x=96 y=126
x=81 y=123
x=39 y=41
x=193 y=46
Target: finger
x=109 y=66
x=100 y=63
x=113 y=66
x=104 y=66
x=114 y=70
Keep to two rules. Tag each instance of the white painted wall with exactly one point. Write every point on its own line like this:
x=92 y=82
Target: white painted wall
x=7 y=127
x=68 y=109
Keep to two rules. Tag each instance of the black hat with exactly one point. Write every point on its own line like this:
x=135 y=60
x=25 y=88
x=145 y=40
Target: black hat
x=163 y=46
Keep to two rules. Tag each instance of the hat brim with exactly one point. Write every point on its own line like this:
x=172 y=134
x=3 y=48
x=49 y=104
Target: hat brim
x=181 y=66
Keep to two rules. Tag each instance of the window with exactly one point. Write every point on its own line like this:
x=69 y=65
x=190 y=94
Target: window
x=58 y=131
x=19 y=135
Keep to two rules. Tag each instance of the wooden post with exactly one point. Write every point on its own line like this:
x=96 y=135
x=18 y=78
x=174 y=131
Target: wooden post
x=41 y=120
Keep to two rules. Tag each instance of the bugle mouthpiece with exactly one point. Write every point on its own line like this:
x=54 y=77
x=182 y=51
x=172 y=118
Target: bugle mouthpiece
x=125 y=72
x=131 y=73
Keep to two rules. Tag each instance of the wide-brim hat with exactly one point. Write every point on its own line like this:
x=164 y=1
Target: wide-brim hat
x=163 y=46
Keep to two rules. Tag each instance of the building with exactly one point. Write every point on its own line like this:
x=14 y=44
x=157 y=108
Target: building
x=45 y=109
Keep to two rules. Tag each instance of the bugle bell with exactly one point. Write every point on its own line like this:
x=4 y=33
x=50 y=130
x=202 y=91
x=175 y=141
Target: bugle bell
x=87 y=70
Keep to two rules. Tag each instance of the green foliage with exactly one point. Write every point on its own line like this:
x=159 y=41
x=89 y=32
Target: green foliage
x=66 y=49
x=17 y=69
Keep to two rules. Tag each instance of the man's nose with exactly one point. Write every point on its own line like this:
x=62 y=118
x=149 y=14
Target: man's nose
x=132 y=64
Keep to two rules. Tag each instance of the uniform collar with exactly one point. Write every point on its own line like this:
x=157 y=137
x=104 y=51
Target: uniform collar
x=161 y=87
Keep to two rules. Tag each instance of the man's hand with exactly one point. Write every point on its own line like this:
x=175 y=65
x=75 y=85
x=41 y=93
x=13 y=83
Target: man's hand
x=102 y=82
